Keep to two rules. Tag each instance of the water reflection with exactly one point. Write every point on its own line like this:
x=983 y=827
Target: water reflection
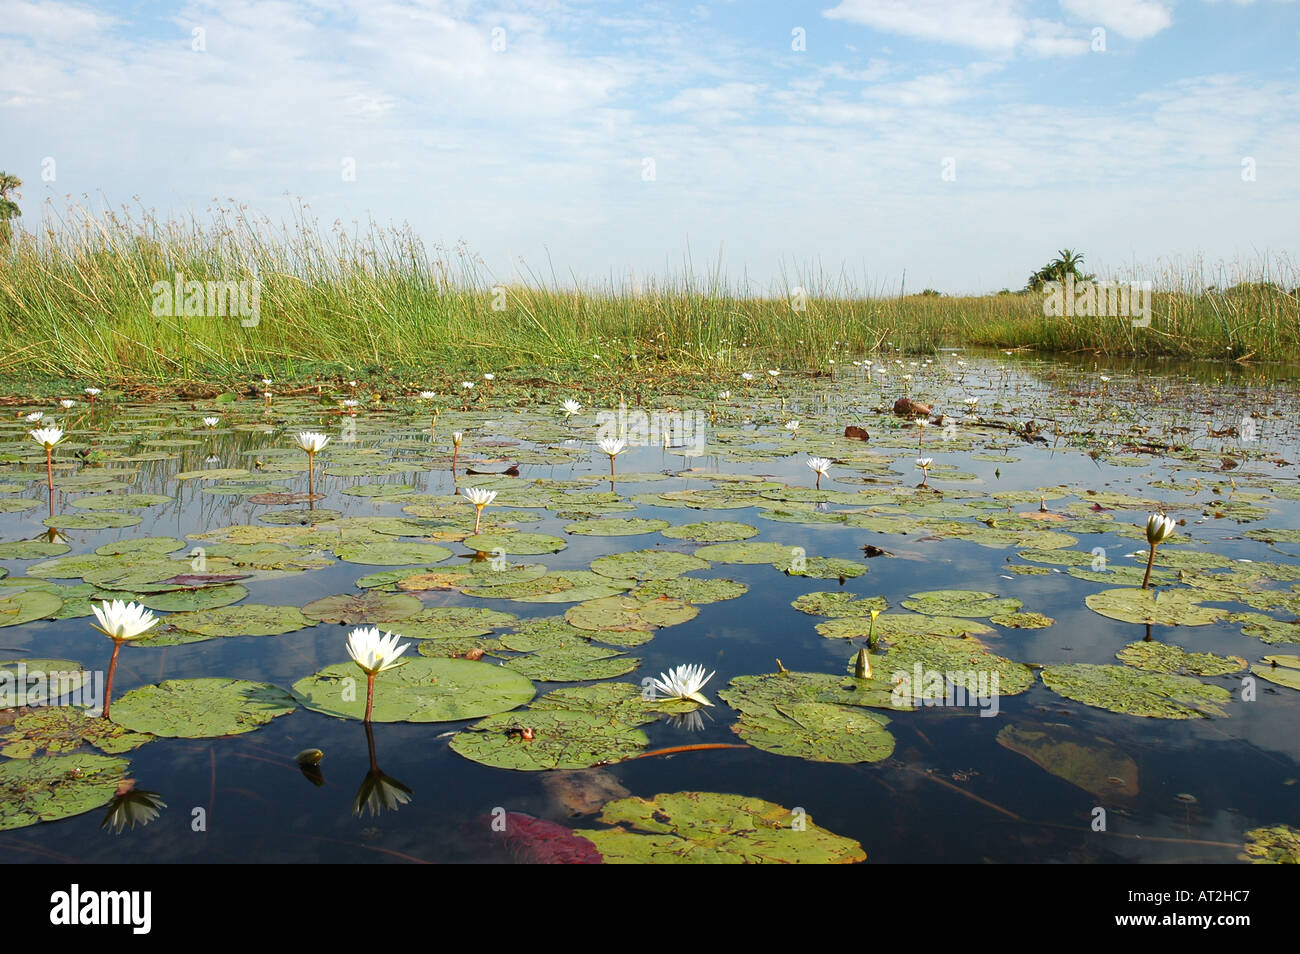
x=378 y=793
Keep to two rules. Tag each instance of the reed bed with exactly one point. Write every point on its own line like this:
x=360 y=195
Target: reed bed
x=76 y=301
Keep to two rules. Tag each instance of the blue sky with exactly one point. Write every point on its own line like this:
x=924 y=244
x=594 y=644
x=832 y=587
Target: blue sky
x=770 y=161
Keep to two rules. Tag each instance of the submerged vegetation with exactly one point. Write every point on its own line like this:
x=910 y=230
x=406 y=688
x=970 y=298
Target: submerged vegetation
x=110 y=296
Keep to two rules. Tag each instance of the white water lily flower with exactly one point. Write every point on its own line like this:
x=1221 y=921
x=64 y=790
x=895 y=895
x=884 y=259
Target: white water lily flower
x=571 y=407
x=33 y=417
x=428 y=395
x=970 y=401
x=792 y=427
x=119 y=620
x=1159 y=528
x=211 y=421
x=489 y=377
x=613 y=446
x=923 y=463
x=350 y=402
x=478 y=496
x=93 y=392
x=311 y=442
x=774 y=372
x=467 y=384
x=747 y=376
x=724 y=395
x=684 y=682
x=819 y=465
x=67 y=404
x=457 y=437
x=1104 y=379
x=372 y=652
x=47 y=437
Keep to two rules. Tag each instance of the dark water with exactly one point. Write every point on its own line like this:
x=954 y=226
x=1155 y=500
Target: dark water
x=949 y=793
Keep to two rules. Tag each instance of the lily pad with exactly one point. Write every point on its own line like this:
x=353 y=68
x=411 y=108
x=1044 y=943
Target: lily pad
x=441 y=622
x=749 y=553
x=561 y=739
x=821 y=568
x=1022 y=620
x=390 y=553
x=363 y=607
x=1162 y=657
x=712 y=531
x=690 y=589
x=616 y=527
x=247 y=619
x=195 y=598
x=891 y=626
x=1283 y=670
x=1085 y=761
x=57 y=730
x=965 y=603
x=39 y=682
x=1165 y=607
x=56 y=786
x=622 y=613
x=421 y=690
x=647 y=565
x=521 y=543
x=201 y=708
x=1278 y=845
x=27 y=606
x=1125 y=690
x=121 y=501
x=712 y=828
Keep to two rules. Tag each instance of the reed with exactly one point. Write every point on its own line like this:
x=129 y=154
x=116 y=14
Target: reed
x=76 y=302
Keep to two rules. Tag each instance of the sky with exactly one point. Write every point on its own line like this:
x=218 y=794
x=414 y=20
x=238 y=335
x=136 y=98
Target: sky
x=886 y=144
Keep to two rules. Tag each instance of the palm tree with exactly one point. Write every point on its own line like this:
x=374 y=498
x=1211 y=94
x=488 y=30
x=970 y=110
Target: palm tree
x=1067 y=262
x=8 y=208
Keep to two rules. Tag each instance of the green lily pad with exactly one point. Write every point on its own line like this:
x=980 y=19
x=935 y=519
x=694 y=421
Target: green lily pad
x=1266 y=628
x=27 y=606
x=1085 y=761
x=1279 y=845
x=121 y=501
x=363 y=607
x=247 y=619
x=201 y=708
x=1283 y=670
x=1162 y=657
x=616 y=526
x=962 y=659
x=1164 y=607
x=712 y=531
x=57 y=730
x=32 y=682
x=390 y=553
x=32 y=550
x=573 y=664
x=821 y=568
x=711 y=828
x=1022 y=620
x=153 y=545
x=421 y=690
x=838 y=603
x=966 y=603
x=1125 y=690
x=56 y=786
x=562 y=739
x=95 y=520
x=521 y=543
x=645 y=565
x=690 y=589
x=623 y=613
x=749 y=553
x=195 y=598
x=441 y=622
x=456 y=647
x=891 y=626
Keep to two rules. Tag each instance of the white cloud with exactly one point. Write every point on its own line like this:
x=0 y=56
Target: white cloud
x=50 y=20
x=983 y=24
x=1132 y=19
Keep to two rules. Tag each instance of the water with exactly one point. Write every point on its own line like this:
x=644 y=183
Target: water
x=949 y=791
